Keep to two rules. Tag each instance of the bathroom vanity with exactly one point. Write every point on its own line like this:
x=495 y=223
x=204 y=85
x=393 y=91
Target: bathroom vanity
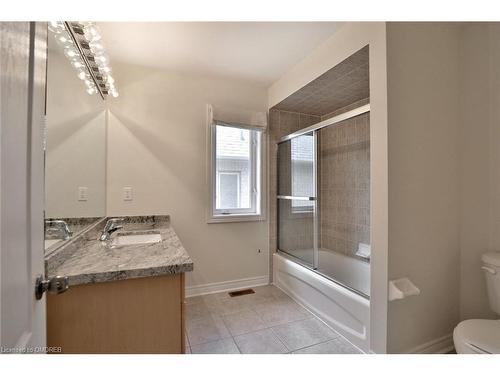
x=126 y=294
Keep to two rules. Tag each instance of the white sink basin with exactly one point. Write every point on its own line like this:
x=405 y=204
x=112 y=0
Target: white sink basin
x=136 y=239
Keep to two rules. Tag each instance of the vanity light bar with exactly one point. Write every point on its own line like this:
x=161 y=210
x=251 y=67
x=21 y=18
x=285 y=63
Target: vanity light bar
x=83 y=47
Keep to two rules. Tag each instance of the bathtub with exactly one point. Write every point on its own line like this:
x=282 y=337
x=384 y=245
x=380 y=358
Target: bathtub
x=344 y=310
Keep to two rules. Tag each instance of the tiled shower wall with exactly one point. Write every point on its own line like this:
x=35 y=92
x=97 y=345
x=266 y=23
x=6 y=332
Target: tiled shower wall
x=344 y=178
x=345 y=185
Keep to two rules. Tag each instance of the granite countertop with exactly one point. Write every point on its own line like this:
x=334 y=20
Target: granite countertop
x=85 y=259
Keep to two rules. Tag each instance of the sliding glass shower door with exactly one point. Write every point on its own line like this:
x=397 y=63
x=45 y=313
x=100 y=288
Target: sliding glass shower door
x=324 y=198
x=297 y=205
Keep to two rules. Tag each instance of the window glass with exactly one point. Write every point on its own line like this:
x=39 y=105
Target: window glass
x=236 y=170
x=302 y=166
x=229 y=190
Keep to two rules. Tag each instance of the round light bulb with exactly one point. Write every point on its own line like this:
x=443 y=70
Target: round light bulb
x=114 y=93
x=91 y=33
x=77 y=64
x=102 y=58
x=96 y=47
x=82 y=75
x=64 y=39
x=70 y=52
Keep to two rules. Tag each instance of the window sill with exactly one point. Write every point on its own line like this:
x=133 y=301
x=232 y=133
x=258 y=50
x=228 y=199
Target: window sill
x=235 y=218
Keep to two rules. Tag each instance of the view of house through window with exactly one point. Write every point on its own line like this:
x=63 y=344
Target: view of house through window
x=229 y=190
x=302 y=150
x=236 y=170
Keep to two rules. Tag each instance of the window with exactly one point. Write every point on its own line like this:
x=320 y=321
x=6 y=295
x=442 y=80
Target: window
x=235 y=173
x=302 y=168
x=228 y=190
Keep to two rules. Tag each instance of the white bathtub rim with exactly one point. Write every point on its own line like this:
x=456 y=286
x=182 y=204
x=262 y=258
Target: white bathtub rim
x=337 y=283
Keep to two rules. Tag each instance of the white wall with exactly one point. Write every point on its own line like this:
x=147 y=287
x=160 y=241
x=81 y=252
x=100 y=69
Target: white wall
x=480 y=156
x=444 y=173
x=424 y=191
x=157 y=146
x=348 y=39
x=76 y=142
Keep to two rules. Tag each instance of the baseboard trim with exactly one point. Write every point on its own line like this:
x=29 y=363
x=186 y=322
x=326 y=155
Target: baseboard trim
x=224 y=286
x=440 y=345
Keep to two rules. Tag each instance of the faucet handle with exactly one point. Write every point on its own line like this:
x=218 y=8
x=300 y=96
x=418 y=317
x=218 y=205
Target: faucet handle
x=114 y=229
x=111 y=227
x=110 y=223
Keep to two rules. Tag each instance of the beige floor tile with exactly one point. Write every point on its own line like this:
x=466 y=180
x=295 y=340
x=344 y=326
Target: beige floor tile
x=243 y=322
x=272 y=294
x=205 y=330
x=279 y=295
x=230 y=305
x=214 y=297
x=226 y=346
x=207 y=298
x=260 y=342
x=197 y=310
x=335 y=346
x=255 y=298
x=269 y=290
x=281 y=312
x=298 y=335
x=268 y=321
x=197 y=299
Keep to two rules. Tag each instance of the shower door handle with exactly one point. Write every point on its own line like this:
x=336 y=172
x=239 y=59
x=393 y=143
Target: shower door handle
x=292 y=198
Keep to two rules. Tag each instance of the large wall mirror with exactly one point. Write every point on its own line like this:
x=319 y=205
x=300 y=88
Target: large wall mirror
x=75 y=149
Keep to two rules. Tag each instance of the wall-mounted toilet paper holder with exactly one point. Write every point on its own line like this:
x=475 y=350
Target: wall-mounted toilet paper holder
x=402 y=288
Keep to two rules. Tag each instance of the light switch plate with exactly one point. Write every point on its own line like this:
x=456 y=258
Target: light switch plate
x=127 y=193
x=83 y=193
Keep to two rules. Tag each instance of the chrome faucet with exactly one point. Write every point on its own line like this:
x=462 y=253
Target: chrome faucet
x=111 y=227
x=57 y=229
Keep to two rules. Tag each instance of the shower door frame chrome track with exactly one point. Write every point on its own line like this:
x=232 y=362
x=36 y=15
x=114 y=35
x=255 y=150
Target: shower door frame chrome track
x=314 y=130
x=316 y=204
x=331 y=121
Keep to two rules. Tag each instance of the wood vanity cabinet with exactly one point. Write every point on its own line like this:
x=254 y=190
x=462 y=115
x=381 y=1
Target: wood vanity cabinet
x=143 y=315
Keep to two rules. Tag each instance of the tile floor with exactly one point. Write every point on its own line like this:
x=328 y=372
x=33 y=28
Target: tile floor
x=267 y=321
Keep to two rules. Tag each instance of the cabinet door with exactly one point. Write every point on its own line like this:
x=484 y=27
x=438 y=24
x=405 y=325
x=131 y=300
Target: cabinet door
x=128 y=316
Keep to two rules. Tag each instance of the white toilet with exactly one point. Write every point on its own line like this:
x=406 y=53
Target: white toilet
x=477 y=336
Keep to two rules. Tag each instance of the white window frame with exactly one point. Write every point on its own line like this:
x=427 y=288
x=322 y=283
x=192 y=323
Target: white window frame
x=257 y=175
